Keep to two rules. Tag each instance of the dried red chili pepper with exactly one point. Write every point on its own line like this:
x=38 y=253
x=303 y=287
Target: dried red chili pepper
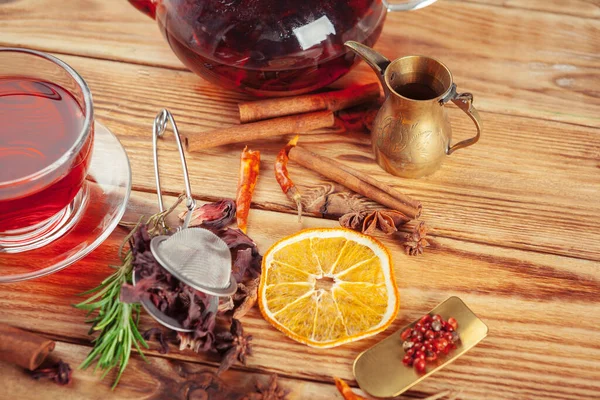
x=249 y=166
x=346 y=391
x=283 y=177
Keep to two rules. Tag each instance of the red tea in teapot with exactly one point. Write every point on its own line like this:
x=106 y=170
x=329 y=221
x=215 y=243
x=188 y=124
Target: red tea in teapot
x=41 y=123
x=267 y=47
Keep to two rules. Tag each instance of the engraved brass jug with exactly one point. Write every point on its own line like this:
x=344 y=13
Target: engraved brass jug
x=411 y=133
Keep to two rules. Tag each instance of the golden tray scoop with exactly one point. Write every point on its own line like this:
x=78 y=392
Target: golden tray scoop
x=379 y=370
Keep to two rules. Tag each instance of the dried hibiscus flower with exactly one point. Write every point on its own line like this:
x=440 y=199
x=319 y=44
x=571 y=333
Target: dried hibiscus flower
x=203 y=336
x=215 y=215
x=189 y=306
x=235 y=238
x=247 y=259
x=171 y=296
x=233 y=345
x=242 y=264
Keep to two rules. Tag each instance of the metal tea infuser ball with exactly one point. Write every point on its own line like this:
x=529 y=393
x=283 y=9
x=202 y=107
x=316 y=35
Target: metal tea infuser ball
x=195 y=256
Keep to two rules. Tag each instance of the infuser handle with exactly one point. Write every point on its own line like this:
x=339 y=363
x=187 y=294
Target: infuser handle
x=464 y=101
x=407 y=5
x=158 y=129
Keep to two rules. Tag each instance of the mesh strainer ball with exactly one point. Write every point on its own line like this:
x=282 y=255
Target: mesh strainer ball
x=198 y=258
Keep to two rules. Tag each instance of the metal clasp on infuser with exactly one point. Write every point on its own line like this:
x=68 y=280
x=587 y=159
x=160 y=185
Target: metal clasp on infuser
x=158 y=129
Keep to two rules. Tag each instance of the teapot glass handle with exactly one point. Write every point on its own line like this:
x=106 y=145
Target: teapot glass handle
x=464 y=101
x=407 y=5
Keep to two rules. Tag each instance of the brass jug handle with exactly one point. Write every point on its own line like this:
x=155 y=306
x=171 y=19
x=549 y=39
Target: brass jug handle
x=464 y=101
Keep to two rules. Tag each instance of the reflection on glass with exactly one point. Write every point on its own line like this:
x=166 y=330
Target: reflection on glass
x=314 y=33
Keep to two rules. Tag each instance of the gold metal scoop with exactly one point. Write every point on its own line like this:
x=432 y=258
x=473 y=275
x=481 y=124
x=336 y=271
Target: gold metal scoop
x=379 y=370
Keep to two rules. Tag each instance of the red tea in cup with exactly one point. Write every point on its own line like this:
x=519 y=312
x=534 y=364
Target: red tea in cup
x=46 y=138
x=41 y=121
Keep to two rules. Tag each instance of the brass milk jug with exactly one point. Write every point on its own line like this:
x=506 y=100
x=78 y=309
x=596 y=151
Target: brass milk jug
x=411 y=134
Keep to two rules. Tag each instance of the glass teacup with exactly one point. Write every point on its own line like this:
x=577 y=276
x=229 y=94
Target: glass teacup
x=46 y=140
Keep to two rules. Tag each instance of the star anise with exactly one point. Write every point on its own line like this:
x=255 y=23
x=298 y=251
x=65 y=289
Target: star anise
x=386 y=221
x=233 y=345
x=247 y=294
x=368 y=222
x=272 y=391
x=59 y=373
x=416 y=241
x=353 y=220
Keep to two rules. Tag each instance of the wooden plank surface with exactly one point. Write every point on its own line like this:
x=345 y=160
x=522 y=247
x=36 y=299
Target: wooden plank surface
x=514 y=61
x=535 y=191
x=524 y=297
x=578 y=8
x=160 y=378
x=515 y=219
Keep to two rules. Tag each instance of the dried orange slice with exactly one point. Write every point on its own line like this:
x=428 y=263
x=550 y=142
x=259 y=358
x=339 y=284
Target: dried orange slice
x=327 y=287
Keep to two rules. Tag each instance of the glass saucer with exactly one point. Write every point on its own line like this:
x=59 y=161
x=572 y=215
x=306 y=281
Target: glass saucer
x=107 y=188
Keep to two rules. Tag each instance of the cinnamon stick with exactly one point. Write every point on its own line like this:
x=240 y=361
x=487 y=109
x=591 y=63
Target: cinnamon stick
x=378 y=184
x=353 y=180
x=259 y=130
x=23 y=348
x=333 y=101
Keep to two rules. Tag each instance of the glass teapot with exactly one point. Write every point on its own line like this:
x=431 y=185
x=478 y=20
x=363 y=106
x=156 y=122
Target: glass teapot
x=270 y=47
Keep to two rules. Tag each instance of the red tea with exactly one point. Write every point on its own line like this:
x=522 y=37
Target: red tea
x=40 y=123
x=268 y=47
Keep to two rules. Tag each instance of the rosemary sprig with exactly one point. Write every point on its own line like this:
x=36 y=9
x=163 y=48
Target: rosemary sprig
x=117 y=322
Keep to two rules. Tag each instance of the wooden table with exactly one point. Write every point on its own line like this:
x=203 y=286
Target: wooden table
x=516 y=218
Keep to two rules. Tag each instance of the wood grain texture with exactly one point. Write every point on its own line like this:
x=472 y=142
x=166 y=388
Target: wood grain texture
x=515 y=218
x=578 y=8
x=157 y=379
x=515 y=62
x=540 y=309
x=528 y=183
